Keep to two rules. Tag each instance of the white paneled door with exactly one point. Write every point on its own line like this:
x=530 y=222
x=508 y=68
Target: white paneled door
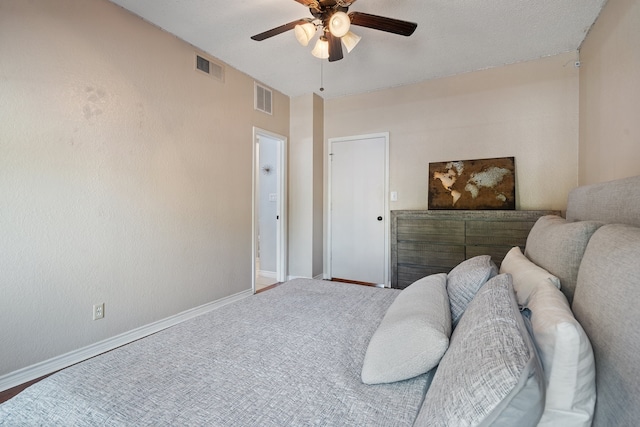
x=358 y=209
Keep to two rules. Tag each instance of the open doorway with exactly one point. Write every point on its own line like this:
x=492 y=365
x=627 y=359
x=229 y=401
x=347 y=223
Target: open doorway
x=269 y=214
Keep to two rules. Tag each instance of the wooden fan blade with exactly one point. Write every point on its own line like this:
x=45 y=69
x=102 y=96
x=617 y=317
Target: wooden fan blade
x=278 y=30
x=332 y=3
x=390 y=25
x=335 y=47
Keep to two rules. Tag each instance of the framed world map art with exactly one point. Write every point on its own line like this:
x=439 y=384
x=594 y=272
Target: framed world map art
x=473 y=184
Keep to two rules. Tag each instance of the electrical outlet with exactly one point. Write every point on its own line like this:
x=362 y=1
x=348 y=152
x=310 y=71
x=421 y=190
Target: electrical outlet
x=98 y=311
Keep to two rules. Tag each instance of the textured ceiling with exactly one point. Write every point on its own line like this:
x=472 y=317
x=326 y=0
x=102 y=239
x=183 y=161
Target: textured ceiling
x=453 y=36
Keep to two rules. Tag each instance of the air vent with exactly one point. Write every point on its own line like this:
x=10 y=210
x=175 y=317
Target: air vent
x=209 y=67
x=263 y=99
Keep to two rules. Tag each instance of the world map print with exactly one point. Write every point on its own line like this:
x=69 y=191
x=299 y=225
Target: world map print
x=473 y=184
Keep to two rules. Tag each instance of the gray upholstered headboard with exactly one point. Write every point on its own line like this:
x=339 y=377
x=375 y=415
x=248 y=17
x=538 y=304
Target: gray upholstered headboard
x=607 y=295
x=611 y=202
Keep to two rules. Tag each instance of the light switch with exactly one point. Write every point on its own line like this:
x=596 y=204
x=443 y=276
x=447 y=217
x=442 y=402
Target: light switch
x=394 y=196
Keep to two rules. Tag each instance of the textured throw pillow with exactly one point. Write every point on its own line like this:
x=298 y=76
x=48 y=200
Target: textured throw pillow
x=567 y=358
x=490 y=375
x=526 y=275
x=558 y=246
x=464 y=281
x=413 y=335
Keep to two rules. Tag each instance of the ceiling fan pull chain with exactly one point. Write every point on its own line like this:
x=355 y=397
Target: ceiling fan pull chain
x=321 y=76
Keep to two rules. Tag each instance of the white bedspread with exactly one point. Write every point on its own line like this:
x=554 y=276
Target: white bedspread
x=291 y=356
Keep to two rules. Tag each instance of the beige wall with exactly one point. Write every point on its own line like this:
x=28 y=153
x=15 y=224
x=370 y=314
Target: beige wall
x=305 y=186
x=610 y=95
x=318 y=186
x=527 y=110
x=125 y=176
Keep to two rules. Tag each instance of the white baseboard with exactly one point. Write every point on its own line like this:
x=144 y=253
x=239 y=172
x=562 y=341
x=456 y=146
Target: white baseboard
x=268 y=274
x=54 y=364
x=318 y=277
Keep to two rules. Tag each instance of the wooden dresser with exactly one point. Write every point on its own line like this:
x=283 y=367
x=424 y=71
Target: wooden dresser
x=435 y=241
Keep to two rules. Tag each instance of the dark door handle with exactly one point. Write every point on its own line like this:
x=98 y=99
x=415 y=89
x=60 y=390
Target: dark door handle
x=379 y=218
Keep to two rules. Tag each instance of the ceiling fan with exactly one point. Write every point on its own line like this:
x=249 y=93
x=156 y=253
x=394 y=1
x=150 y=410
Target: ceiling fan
x=330 y=16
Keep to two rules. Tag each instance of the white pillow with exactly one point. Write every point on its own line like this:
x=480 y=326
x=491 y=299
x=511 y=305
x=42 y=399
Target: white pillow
x=525 y=275
x=567 y=358
x=413 y=335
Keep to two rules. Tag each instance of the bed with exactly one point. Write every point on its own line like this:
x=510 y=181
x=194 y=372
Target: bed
x=238 y=365
x=313 y=352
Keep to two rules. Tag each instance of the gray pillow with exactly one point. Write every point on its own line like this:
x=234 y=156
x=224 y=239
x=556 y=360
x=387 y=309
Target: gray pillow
x=413 y=335
x=558 y=246
x=464 y=281
x=491 y=374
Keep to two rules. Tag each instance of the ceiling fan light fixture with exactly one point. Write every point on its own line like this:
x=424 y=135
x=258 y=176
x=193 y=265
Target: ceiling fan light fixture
x=304 y=33
x=330 y=17
x=350 y=40
x=339 y=24
x=321 y=50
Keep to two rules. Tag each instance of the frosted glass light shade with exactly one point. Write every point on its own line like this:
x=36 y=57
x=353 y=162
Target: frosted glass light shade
x=321 y=50
x=304 y=33
x=350 y=40
x=339 y=24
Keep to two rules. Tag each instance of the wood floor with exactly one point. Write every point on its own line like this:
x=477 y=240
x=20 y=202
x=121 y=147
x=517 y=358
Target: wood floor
x=375 y=285
x=8 y=394
x=263 y=282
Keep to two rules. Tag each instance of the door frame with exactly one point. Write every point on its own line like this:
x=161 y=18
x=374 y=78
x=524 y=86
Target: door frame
x=281 y=224
x=386 y=212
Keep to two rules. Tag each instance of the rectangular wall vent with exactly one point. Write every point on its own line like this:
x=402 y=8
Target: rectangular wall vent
x=263 y=99
x=209 y=67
